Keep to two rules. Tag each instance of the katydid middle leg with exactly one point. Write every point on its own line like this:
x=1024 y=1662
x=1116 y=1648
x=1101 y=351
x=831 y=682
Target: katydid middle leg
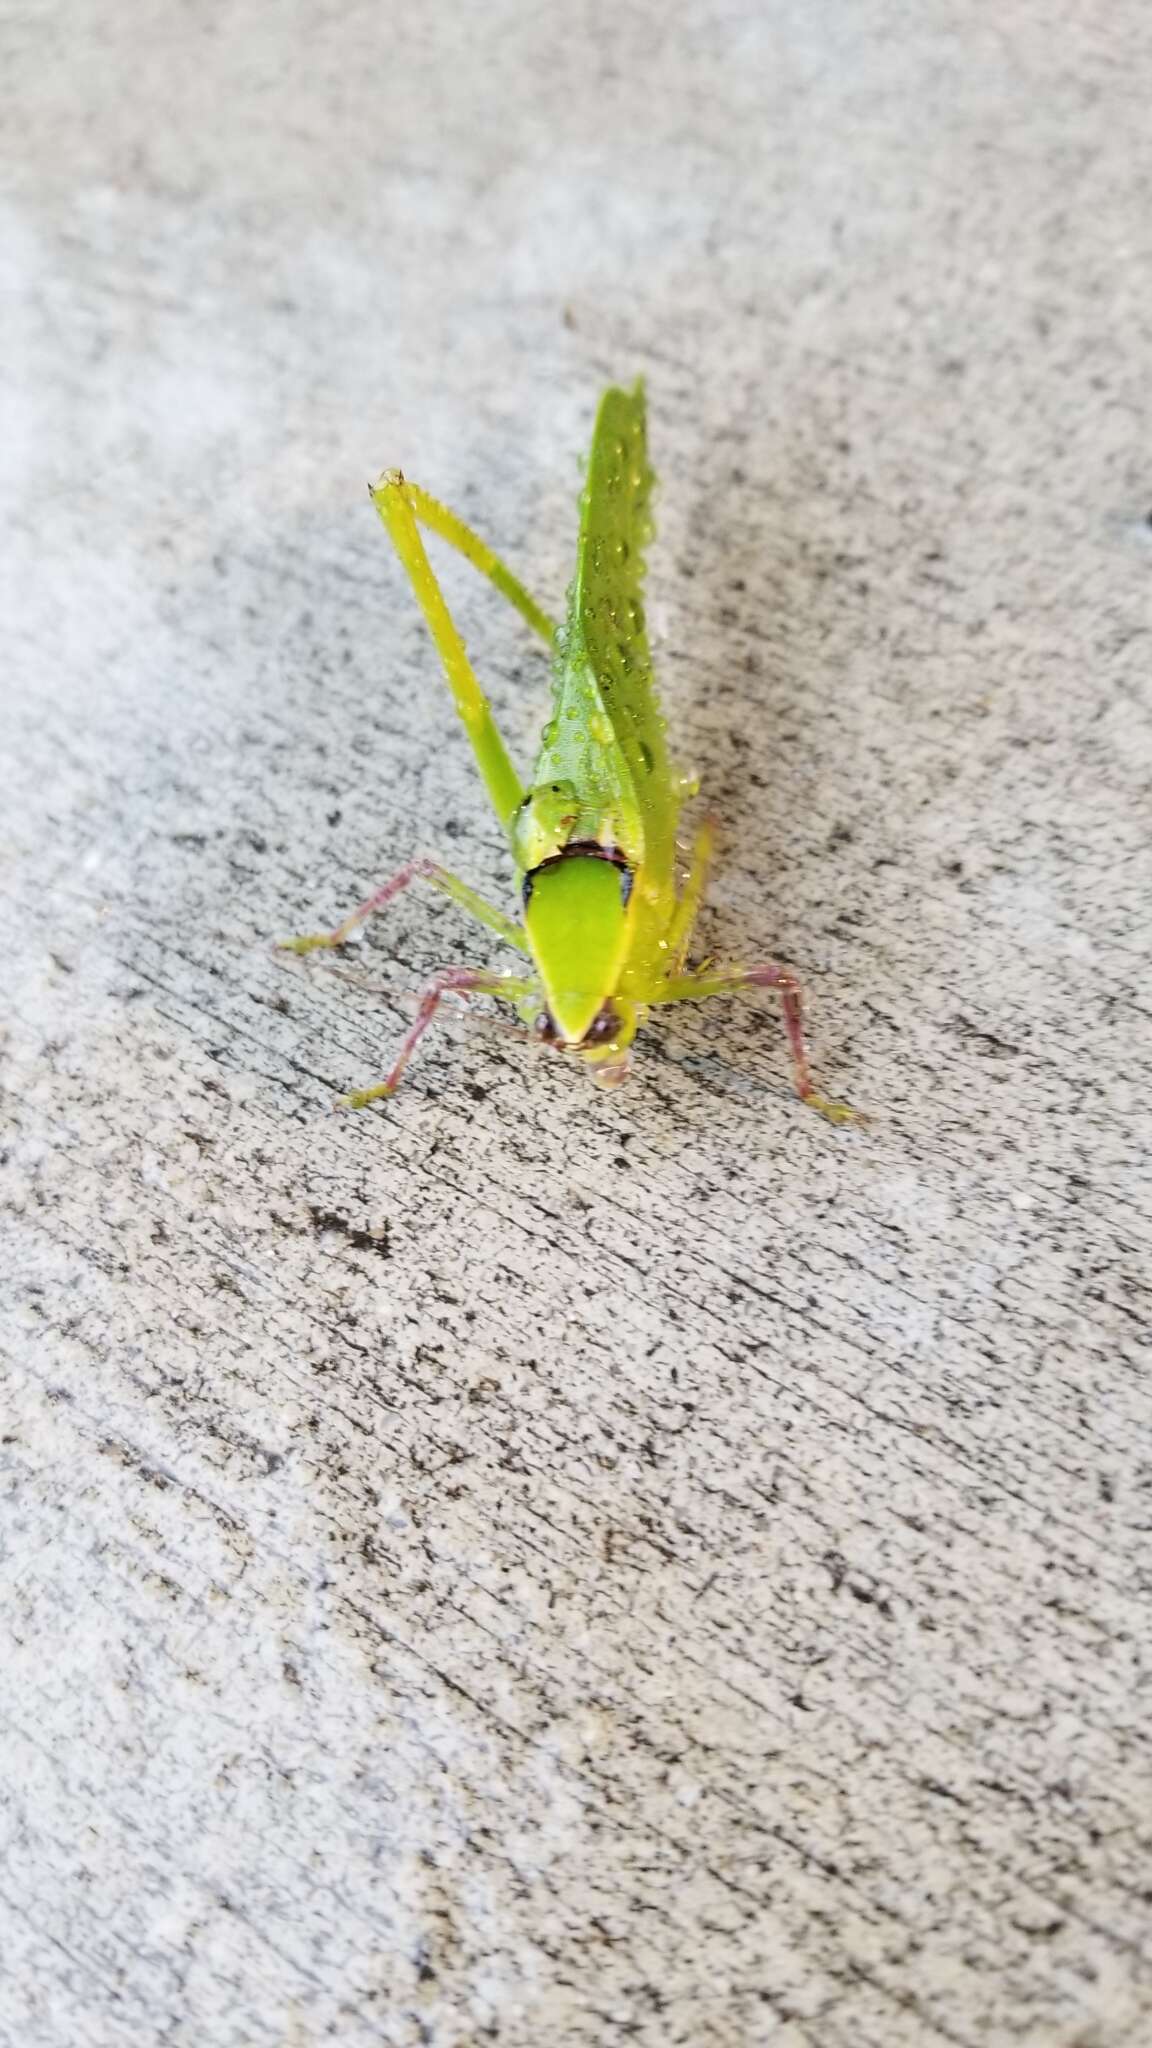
x=688 y=903
x=476 y=905
x=695 y=988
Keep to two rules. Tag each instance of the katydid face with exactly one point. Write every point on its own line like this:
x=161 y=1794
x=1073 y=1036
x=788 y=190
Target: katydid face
x=578 y=922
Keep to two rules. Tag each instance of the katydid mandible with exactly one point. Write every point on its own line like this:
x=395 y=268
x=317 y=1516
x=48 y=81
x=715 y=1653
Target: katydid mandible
x=607 y=915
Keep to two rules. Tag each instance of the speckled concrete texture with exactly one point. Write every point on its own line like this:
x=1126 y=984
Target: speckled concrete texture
x=522 y=1566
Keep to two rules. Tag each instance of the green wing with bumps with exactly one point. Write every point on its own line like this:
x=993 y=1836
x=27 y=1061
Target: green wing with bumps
x=605 y=740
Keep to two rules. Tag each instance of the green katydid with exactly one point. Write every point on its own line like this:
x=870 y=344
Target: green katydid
x=607 y=921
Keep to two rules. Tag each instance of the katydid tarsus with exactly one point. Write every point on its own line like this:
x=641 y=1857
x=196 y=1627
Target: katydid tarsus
x=607 y=917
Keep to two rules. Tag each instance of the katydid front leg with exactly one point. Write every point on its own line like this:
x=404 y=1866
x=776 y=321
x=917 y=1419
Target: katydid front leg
x=696 y=988
x=455 y=981
x=429 y=871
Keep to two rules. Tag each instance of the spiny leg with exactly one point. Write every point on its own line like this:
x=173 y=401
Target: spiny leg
x=438 y=519
x=455 y=981
x=399 y=503
x=430 y=871
x=695 y=988
x=505 y=791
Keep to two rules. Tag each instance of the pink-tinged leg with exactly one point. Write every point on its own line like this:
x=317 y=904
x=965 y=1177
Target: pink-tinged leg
x=454 y=981
x=769 y=975
x=695 y=988
x=419 y=869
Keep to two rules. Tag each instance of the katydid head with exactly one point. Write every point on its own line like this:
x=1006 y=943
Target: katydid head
x=576 y=913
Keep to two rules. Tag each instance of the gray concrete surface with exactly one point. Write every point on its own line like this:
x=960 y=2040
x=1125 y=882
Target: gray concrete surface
x=523 y=1566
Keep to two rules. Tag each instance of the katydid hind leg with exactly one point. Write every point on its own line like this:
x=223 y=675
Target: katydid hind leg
x=448 y=525
x=505 y=790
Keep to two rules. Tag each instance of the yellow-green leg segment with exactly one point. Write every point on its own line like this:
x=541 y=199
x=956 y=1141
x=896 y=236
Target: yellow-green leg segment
x=440 y=878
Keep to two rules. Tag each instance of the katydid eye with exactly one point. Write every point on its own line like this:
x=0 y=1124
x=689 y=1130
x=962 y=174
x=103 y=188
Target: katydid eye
x=603 y=1028
x=545 y=1028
